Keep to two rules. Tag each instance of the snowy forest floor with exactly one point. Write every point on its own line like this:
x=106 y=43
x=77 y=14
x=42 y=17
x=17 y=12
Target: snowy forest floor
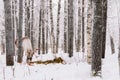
x=75 y=68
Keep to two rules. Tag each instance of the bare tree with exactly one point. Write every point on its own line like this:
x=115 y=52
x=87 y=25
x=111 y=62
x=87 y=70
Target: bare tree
x=52 y=27
x=32 y=23
x=20 y=31
x=65 y=25
x=89 y=32
x=9 y=34
x=83 y=36
x=97 y=38
x=79 y=27
x=58 y=23
x=39 y=37
x=104 y=23
x=43 y=25
x=70 y=27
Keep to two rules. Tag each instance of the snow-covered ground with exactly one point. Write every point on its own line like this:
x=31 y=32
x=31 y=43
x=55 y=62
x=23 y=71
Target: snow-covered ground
x=75 y=69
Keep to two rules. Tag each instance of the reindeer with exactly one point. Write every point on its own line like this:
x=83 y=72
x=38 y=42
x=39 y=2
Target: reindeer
x=26 y=47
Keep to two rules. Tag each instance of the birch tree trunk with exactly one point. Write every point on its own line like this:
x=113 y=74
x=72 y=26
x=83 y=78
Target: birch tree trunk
x=58 y=23
x=70 y=27
x=20 y=32
x=89 y=32
x=32 y=24
x=97 y=38
x=79 y=27
x=9 y=34
x=52 y=27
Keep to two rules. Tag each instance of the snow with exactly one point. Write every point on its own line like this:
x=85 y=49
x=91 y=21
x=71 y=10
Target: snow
x=74 y=69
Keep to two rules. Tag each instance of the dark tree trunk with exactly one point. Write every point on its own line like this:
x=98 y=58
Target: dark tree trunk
x=9 y=34
x=112 y=45
x=13 y=21
x=83 y=46
x=70 y=27
x=97 y=38
x=43 y=25
x=104 y=24
x=20 y=53
x=39 y=38
x=65 y=25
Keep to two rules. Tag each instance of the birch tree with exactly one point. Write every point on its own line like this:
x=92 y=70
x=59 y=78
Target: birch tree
x=58 y=23
x=79 y=27
x=52 y=27
x=89 y=32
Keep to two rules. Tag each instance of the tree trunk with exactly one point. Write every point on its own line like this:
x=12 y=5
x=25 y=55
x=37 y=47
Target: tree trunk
x=16 y=19
x=65 y=25
x=47 y=26
x=13 y=22
x=9 y=33
x=32 y=24
x=97 y=38
x=52 y=27
x=39 y=37
x=43 y=25
x=112 y=45
x=79 y=27
x=83 y=46
x=58 y=23
x=104 y=23
x=89 y=32
x=70 y=27
x=20 y=53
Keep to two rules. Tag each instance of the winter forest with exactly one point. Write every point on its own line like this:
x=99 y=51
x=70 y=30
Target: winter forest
x=60 y=40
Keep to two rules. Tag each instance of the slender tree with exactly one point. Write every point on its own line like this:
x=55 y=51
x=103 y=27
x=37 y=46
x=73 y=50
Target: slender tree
x=32 y=23
x=83 y=36
x=20 y=32
x=47 y=26
x=13 y=21
x=97 y=38
x=104 y=24
x=52 y=27
x=9 y=33
x=58 y=23
x=79 y=27
x=112 y=45
x=39 y=37
x=43 y=25
x=89 y=32
x=65 y=25
x=70 y=27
